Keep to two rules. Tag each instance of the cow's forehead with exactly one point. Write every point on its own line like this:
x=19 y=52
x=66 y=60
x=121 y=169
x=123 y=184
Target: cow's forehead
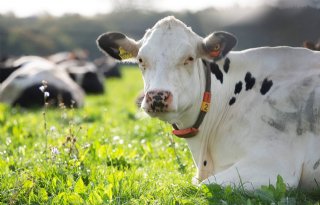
x=169 y=34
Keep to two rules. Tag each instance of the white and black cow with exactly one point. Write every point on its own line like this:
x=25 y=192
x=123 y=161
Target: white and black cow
x=262 y=104
x=108 y=66
x=85 y=74
x=22 y=86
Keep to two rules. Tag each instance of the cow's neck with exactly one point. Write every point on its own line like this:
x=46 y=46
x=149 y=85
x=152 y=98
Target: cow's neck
x=193 y=130
x=200 y=144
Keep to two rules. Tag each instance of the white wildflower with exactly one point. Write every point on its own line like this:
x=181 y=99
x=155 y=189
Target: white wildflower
x=52 y=128
x=115 y=138
x=87 y=145
x=46 y=94
x=8 y=141
x=42 y=88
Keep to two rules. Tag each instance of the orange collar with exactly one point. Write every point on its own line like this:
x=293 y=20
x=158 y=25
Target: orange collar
x=192 y=131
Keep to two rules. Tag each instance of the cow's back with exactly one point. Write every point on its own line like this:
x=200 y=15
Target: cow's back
x=286 y=91
x=276 y=109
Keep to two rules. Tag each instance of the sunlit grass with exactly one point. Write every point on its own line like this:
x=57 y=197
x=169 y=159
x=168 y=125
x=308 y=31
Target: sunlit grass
x=107 y=153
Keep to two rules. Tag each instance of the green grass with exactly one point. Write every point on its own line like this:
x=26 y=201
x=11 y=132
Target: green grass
x=108 y=153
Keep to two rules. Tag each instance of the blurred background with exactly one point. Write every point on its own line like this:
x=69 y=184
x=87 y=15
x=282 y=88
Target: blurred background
x=44 y=27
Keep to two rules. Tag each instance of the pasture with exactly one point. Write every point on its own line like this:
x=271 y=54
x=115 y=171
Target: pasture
x=108 y=152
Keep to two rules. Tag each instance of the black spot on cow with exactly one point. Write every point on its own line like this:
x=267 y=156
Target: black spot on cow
x=32 y=97
x=238 y=88
x=157 y=106
x=266 y=85
x=205 y=163
x=226 y=65
x=232 y=101
x=216 y=71
x=250 y=81
x=91 y=83
x=316 y=165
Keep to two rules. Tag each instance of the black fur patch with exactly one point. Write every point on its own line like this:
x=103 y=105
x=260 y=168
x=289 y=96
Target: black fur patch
x=266 y=85
x=91 y=83
x=33 y=97
x=205 y=163
x=238 y=88
x=5 y=72
x=250 y=81
x=232 y=101
x=226 y=65
x=73 y=76
x=216 y=71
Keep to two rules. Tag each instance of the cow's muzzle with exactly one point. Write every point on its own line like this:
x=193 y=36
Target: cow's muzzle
x=157 y=101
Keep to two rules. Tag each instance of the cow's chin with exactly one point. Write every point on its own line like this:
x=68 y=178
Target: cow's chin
x=169 y=117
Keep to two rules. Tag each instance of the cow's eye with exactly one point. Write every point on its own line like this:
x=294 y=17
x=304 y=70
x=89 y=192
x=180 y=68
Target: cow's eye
x=142 y=63
x=188 y=60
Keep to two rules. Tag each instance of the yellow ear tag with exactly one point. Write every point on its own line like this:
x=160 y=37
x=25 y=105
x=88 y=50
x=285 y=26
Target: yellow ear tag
x=124 y=54
x=216 y=51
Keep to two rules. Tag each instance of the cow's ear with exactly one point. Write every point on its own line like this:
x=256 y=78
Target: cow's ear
x=118 y=45
x=218 y=44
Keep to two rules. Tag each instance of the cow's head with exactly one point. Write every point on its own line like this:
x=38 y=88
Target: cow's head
x=169 y=56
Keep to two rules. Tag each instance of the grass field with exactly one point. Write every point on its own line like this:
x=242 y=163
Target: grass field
x=108 y=153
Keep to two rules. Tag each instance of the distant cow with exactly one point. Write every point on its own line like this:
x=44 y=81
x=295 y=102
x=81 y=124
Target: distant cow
x=108 y=66
x=9 y=65
x=84 y=73
x=22 y=86
x=247 y=116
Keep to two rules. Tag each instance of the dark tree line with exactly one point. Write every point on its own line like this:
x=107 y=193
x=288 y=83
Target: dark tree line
x=44 y=35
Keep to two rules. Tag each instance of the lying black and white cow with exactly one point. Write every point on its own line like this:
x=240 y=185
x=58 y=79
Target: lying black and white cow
x=262 y=104
x=22 y=86
x=108 y=66
x=84 y=73
x=12 y=64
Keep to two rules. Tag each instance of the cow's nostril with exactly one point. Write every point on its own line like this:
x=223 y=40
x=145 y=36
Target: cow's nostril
x=158 y=100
